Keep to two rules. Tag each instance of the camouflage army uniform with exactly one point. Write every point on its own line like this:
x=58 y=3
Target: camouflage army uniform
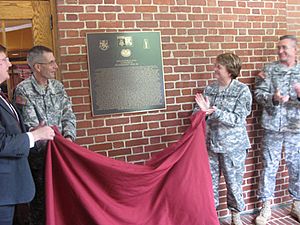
x=227 y=139
x=281 y=123
x=53 y=106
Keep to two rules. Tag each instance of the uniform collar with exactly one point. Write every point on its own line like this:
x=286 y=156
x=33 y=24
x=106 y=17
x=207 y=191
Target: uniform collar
x=282 y=66
x=41 y=89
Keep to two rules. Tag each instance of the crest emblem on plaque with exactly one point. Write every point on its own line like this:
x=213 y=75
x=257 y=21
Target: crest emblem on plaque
x=103 y=45
x=125 y=41
x=126 y=52
x=146 y=44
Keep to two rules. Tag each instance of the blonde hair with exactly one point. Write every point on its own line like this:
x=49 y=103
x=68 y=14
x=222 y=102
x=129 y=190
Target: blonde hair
x=232 y=63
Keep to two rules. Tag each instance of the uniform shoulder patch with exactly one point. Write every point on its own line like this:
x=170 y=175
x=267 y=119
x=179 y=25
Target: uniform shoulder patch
x=20 y=100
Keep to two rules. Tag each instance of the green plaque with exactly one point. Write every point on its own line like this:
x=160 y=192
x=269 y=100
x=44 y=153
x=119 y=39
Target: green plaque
x=125 y=72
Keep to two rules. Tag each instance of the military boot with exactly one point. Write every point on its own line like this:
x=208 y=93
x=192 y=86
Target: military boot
x=295 y=212
x=264 y=214
x=236 y=218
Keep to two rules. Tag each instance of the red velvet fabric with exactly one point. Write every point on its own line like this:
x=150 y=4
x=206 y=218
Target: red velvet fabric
x=173 y=188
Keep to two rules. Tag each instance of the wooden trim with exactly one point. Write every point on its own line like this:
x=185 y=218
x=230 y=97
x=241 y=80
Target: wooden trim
x=23 y=1
x=25 y=7
x=55 y=38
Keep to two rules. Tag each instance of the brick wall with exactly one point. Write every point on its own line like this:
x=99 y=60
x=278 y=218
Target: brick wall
x=193 y=33
x=293 y=15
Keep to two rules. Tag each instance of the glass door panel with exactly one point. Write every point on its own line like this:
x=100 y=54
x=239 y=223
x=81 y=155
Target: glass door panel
x=17 y=37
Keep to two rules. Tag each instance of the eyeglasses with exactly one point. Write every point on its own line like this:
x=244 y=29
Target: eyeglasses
x=51 y=63
x=6 y=59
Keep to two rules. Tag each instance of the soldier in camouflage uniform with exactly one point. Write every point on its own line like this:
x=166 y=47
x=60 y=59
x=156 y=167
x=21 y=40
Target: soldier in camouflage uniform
x=42 y=99
x=278 y=91
x=227 y=103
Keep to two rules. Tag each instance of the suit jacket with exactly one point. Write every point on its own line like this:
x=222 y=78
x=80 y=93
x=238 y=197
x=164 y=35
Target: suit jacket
x=16 y=182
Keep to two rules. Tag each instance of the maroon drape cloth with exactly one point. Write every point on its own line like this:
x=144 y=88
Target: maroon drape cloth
x=173 y=188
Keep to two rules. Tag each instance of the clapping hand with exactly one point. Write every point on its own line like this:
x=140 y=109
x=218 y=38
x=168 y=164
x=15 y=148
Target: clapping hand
x=297 y=89
x=280 y=98
x=204 y=104
x=261 y=74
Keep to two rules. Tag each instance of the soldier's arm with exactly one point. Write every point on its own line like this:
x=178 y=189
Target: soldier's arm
x=263 y=93
x=26 y=107
x=241 y=110
x=68 y=118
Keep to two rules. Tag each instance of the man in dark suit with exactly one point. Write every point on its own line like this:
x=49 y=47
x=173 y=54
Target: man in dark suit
x=16 y=182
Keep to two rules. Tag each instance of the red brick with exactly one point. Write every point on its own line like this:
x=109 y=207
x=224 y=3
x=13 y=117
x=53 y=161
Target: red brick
x=81 y=91
x=128 y=2
x=91 y=16
x=99 y=147
x=131 y=16
x=119 y=144
x=158 y=117
x=152 y=133
x=71 y=33
x=71 y=17
x=71 y=41
x=163 y=2
x=183 y=24
x=147 y=24
x=163 y=16
x=142 y=126
x=90 y=8
x=117 y=121
x=109 y=8
x=181 y=9
x=118 y=137
x=135 y=134
x=212 y=10
x=83 y=2
x=170 y=138
x=120 y=152
x=97 y=131
x=98 y=123
x=110 y=24
x=72 y=9
x=171 y=123
x=196 y=2
x=146 y=8
x=137 y=142
x=84 y=140
x=184 y=69
x=142 y=157
x=155 y=147
x=185 y=84
x=84 y=124
x=70 y=25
